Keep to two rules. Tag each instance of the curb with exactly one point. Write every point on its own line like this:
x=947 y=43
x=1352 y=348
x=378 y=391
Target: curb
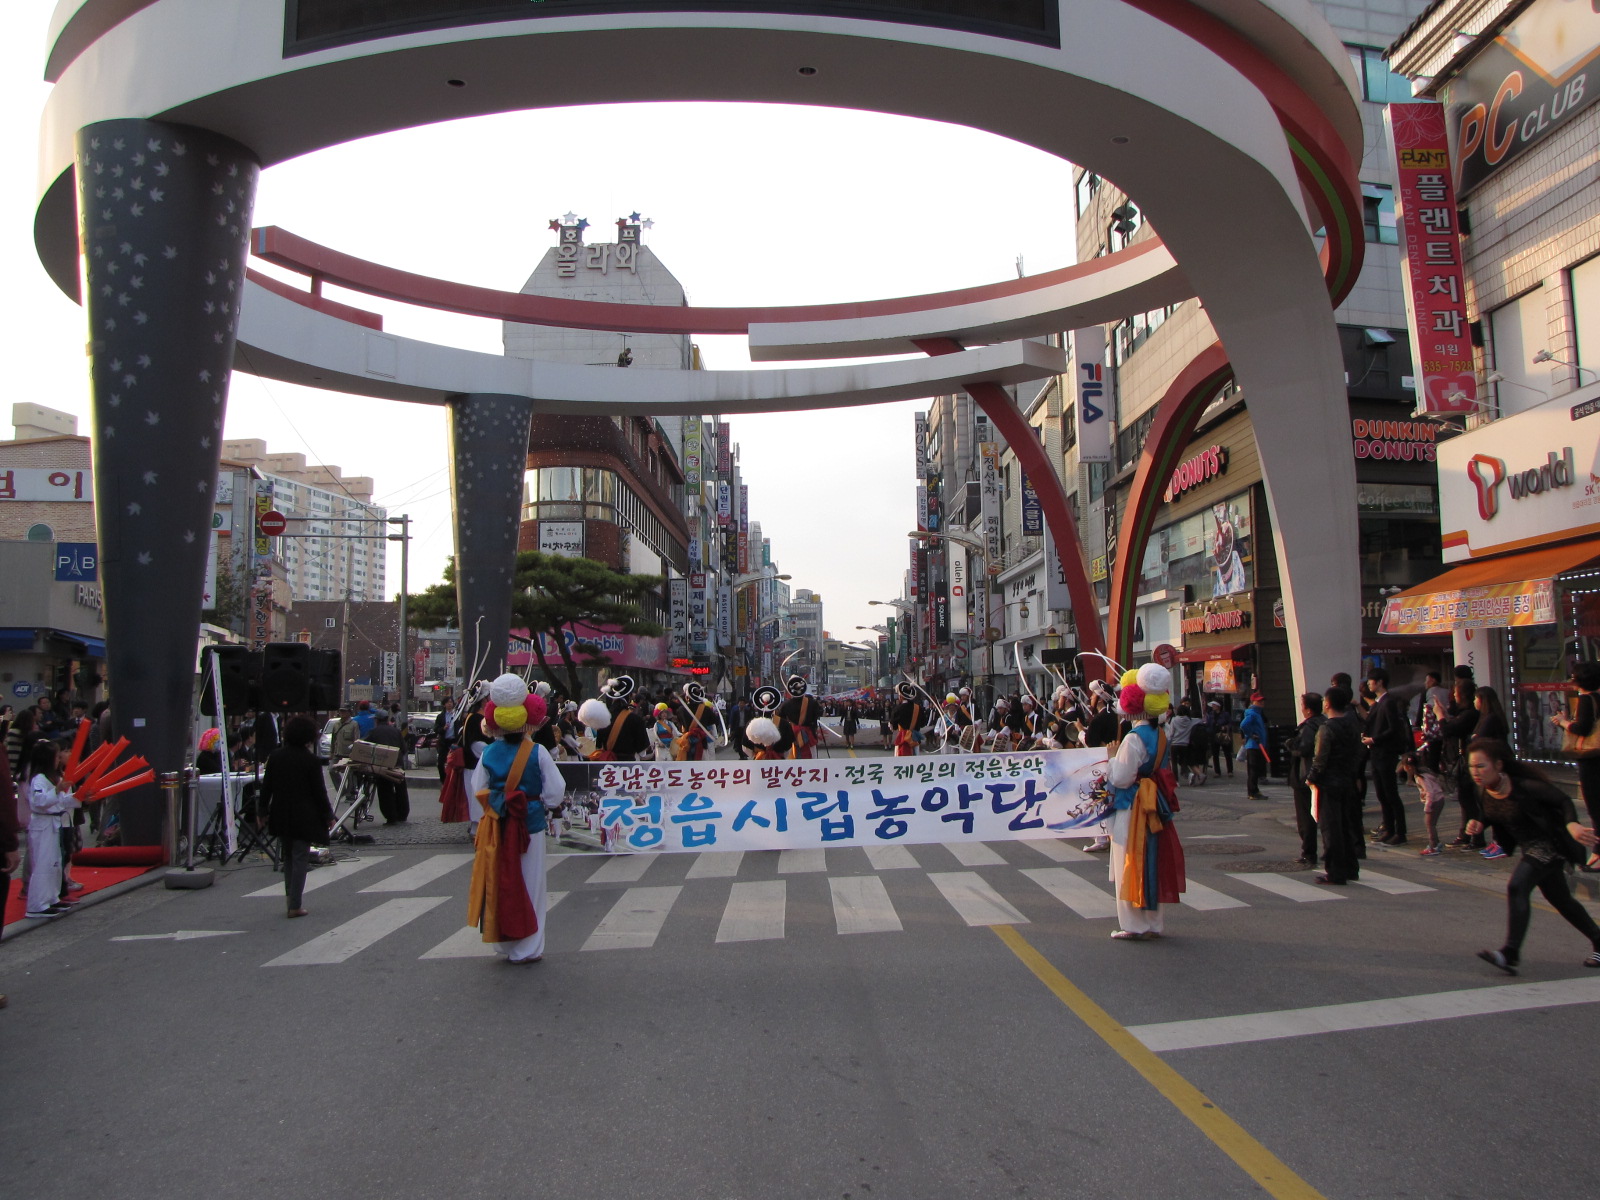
x=28 y=925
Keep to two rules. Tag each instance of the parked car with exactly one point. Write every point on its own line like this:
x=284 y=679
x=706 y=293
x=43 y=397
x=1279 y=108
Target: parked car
x=325 y=739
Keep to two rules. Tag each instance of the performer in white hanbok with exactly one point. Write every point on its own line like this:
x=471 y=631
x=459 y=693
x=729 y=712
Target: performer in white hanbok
x=1146 y=858
x=49 y=801
x=517 y=783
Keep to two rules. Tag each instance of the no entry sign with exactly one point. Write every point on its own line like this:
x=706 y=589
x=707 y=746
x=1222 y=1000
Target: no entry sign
x=273 y=523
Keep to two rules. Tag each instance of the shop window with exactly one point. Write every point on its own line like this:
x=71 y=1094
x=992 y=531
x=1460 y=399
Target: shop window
x=1379 y=84
x=1377 y=213
x=41 y=533
x=1130 y=441
x=1088 y=185
x=1585 y=278
x=1212 y=552
x=1518 y=331
x=1398 y=549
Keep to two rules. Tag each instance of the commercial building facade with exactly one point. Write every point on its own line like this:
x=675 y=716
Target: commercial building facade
x=1519 y=492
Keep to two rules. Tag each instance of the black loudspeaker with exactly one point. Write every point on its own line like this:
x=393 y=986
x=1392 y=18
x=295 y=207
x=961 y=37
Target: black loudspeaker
x=286 y=677
x=327 y=680
x=239 y=668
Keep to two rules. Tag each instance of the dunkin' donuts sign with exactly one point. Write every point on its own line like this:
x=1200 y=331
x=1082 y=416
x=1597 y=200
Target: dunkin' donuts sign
x=1203 y=467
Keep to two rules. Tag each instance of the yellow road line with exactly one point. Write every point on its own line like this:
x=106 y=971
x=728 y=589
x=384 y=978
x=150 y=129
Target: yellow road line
x=1253 y=1158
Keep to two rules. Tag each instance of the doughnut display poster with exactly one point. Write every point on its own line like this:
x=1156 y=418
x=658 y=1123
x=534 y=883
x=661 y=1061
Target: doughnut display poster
x=794 y=804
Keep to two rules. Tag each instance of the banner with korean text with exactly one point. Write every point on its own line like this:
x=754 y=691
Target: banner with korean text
x=1493 y=606
x=1436 y=295
x=813 y=803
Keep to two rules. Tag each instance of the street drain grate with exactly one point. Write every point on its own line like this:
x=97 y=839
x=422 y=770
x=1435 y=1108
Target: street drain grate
x=1221 y=848
x=1193 y=811
x=1256 y=864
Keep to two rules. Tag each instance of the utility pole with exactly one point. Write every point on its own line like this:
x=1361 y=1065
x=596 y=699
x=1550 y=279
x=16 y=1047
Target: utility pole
x=403 y=673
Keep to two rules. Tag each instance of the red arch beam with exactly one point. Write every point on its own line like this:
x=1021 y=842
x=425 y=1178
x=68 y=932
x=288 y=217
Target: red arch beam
x=1176 y=417
x=1019 y=435
x=323 y=263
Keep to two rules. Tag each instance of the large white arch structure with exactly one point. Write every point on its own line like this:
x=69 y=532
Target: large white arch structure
x=1230 y=122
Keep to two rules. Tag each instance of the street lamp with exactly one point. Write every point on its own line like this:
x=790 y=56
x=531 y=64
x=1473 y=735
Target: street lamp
x=902 y=605
x=972 y=544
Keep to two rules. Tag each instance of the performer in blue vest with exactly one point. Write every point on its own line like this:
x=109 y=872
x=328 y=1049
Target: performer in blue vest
x=1146 y=858
x=515 y=781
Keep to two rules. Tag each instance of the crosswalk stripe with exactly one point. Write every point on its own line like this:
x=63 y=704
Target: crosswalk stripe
x=861 y=905
x=754 y=912
x=635 y=920
x=323 y=876
x=798 y=862
x=716 y=864
x=421 y=874
x=467 y=942
x=1077 y=893
x=355 y=935
x=974 y=854
x=890 y=858
x=974 y=900
x=1289 y=889
x=1059 y=850
x=1389 y=884
x=1198 y=896
x=623 y=868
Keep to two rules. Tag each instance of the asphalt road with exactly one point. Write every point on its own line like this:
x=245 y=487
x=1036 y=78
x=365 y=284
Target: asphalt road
x=711 y=1027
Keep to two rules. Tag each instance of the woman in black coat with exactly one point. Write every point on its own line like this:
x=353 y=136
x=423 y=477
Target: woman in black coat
x=1530 y=814
x=295 y=798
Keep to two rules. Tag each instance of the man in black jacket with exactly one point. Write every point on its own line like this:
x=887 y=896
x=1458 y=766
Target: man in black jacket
x=1389 y=736
x=1302 y=750
x=1334 y=763
x=294 y=798
x=394 y=800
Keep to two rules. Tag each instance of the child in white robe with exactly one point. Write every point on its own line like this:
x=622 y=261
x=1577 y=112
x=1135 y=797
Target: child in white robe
x=48 y=801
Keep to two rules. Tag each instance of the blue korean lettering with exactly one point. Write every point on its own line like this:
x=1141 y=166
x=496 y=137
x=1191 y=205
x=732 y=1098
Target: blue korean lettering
x=816 y=806
x=1027 y=802
x=695 y=807
x=748 y=815
x=887 y=810
x=966 y=797
x=934 y=799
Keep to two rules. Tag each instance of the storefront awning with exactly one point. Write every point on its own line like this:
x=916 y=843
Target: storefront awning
x=16 y=639
x=1496 y=593
x=1207 y=653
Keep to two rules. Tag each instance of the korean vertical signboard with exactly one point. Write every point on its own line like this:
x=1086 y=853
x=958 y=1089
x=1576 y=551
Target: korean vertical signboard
x=691 y=453
x=699 y=639
x=1094 y=418
x=920 y=434
x=1032 y=511
x=958 y=587
x=1436 y=300
x=989 y=494
x=724 y=450
x=725 y=615
x=724 y=502
x=678 y=597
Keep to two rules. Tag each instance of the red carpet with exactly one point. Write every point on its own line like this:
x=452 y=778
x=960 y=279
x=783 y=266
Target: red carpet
x=93 y=879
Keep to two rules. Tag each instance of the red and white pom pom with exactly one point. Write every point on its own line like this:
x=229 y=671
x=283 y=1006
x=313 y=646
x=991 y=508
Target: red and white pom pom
x=763 y=732
x=538 y=711
x=1131 y=700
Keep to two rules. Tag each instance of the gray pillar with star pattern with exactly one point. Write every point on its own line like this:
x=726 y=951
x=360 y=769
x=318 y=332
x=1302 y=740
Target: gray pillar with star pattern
x=164 y=214
x=488 y=455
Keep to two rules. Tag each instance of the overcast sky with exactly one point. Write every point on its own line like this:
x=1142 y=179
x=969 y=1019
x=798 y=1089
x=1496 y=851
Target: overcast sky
x=752 y=205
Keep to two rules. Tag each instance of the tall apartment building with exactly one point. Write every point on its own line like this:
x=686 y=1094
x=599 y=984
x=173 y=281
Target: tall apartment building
x=336 y=547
